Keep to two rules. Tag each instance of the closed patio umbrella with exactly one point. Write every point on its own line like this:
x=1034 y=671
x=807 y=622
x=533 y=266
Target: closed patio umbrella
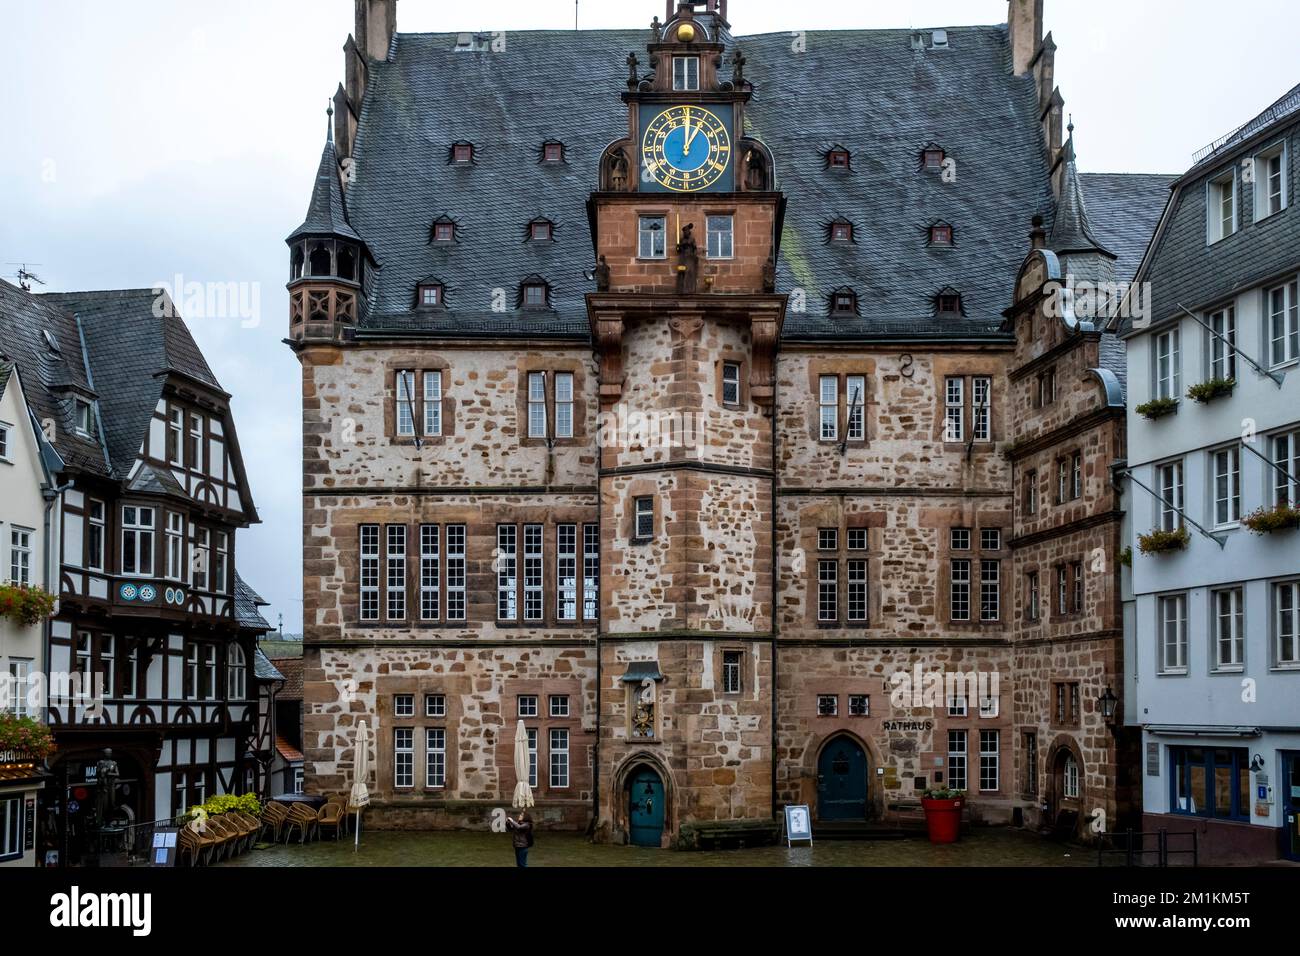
x=523 y=792
x=360 y=796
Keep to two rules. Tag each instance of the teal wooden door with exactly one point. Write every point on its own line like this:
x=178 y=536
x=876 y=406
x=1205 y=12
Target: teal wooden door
x=1291 y=805
x=842 y=781
x=646 y=807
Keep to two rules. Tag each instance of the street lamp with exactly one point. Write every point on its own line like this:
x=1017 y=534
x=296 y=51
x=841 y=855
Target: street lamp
x=1108 y=702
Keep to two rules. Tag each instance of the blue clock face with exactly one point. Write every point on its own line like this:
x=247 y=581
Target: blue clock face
x=686 y=149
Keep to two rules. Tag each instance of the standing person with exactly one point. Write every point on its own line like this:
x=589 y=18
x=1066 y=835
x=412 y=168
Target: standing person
x=521 y=836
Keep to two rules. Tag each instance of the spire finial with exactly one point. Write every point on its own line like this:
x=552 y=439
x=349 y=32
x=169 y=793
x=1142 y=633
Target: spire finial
x=1070 y=127
x=329 y=122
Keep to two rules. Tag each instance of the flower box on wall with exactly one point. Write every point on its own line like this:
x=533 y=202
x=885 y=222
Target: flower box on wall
x=1208 y=391
x=1160 y=541
x=25 y=605
x=1157 y=408
x=1283 y=517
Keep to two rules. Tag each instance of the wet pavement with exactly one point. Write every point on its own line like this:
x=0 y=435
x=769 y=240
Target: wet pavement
x=983 y=847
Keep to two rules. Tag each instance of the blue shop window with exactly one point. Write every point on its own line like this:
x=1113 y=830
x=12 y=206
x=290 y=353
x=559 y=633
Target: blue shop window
x=1210 y=782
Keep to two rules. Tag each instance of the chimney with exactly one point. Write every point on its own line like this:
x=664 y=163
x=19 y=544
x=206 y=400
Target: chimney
x=1025 y=31
x=376 y=23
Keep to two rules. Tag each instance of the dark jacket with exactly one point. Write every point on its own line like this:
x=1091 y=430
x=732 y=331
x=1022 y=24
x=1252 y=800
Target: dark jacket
x=521 y=831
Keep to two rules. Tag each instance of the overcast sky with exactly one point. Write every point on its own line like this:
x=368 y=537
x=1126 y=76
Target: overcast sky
x=149 y=139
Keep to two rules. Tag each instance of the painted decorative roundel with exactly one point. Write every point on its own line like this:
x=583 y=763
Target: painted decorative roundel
x=148 y=593
x=179 y=597
x=128 y=592
x=170 y=595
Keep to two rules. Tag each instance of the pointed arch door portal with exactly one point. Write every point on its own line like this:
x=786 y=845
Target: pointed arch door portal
x=842 y=780
x=645 y=811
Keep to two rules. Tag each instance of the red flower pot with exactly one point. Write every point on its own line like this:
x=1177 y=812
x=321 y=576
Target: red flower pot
x=943 y=818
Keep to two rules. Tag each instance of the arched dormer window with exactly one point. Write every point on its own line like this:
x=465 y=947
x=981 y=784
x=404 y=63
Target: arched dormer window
x=541 y=229
x=319 y=262
x=947 y=302
x=844 y=302
x=430 y=294
x=297 y=262
x=534 y=293
x=462 y=153
x=346 y=262
x=443 y=229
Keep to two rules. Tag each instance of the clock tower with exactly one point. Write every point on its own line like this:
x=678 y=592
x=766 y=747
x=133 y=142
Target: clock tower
x=686 y=321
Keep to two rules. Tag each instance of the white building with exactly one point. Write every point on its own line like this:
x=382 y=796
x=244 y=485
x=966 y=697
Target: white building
x=29 y=521
x=1215 y=619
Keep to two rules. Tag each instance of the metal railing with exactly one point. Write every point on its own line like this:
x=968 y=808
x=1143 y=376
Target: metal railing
x=1147 y=849
x=1287 y=104
x=123 y=846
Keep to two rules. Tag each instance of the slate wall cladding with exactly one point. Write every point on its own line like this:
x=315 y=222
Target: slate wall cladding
x=1187 y=270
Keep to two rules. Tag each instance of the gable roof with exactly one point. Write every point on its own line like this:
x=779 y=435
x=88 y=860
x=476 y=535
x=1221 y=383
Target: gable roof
x=247 y=604
x=868 y=90
x=326 y=215
x=52 y=376
x=1126 y=208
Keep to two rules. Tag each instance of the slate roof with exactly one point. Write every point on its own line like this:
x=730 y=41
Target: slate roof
x=868 y=90
x=291 y=668
x=1285 y=105
x=325 y=213
x=263 y=669
x=130 y=348
x=6 y=369
x=1125 y=208
x=247 y=602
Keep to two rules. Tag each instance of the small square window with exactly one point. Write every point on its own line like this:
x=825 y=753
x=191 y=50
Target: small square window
x=540 y=230
x=828 y=705
x=462 y=153
x=933 y=158
x=838 y=159
x=948 y=303
x=859 y=705
x=959 y=539
x=404 y=705
x=857 y=539
x=828 y=539
x=559 y=705
x=730 y=383
x=444 y=231
x=941 y=235
x=534 y=296
x=686 y=73
x=989 y=706
x=83 y=418
x=435 y=705
x=841 y=232
x=527 y=705
x=990 y=539
x=430 y=296
x=553 y=153
x=844 y=303
x=644 y=512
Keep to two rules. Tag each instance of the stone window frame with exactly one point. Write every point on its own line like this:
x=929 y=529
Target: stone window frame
x=730 y=358
x=1066 y=705
x=387 y=722
x=420 y=366
x=1029 y=782
x=975 y=555
x=636 y=537
x=855 y=539
x=657 y=213
x=842 y=372
x=968 y=409
x=723 y=653
x=833 y=700
x=549 y=367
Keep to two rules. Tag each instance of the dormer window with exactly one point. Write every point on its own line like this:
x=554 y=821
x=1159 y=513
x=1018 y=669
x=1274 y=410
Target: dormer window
x=686 y=73
x=1221 y=205
x=948 y=303
x=932 y=157
x=841 y=230
x=844 y=302
x=541 y=230
x=51 y=342
x=444 y=230
x=462 y=153
x=837 y=158
x=83 y=418
x=430 y=295
x=552 y=152
x=534 y=293
x=941 y=234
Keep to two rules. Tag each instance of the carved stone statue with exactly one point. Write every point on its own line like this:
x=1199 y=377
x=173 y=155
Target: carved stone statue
x=618 y=171
x=632 y=78
x=769 y=274
x=755 y=171
x=656 y=30
x=688 y=261
x=602 y=275
x=738 y=77
x=106 y=774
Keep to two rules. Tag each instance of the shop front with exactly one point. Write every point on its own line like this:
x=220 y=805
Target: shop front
x=97 y=804
x=21 y=780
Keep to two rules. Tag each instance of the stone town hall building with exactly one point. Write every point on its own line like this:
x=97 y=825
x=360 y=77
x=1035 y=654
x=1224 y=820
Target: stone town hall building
x=660 y=390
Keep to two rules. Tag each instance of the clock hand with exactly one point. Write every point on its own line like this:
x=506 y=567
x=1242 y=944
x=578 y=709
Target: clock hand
x=691 y=132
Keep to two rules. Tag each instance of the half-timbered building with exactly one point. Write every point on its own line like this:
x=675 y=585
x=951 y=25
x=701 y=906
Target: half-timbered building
x=145 y=655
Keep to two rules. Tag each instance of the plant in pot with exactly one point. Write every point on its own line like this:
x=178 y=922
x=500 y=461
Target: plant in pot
x=1211 y=389
x=1157 y=408
x=943 y=813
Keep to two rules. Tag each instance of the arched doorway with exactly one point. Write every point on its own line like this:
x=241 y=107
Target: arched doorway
x=645 y=807
x=842 y=780
x=1065 y=792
